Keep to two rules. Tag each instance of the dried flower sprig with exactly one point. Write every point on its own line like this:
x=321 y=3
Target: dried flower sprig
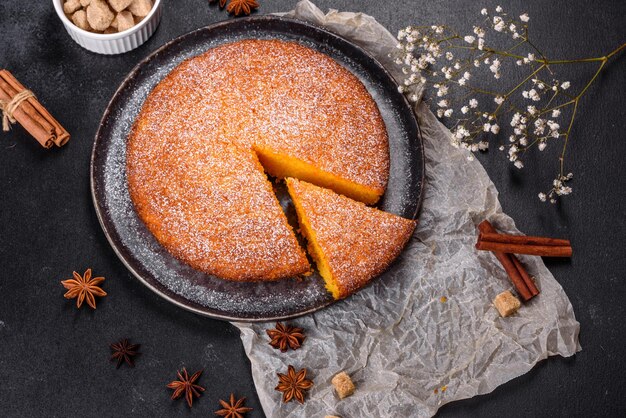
x=439 y=61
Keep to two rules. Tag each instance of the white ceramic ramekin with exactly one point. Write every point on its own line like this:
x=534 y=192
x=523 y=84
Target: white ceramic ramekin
x=114 y=43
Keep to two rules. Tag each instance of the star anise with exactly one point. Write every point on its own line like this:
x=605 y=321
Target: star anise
x=84 y=287
x=293 y=384
x=242 y=7
x=222 y=3
x=286 y=336
x=123 y=351
x=186 y=385
x=233 y=409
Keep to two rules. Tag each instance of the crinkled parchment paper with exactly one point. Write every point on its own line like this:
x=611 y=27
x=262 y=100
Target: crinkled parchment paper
x=401 y=344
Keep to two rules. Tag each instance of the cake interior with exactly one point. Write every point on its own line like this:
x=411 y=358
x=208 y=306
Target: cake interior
x=283 y=166
x=315 y=251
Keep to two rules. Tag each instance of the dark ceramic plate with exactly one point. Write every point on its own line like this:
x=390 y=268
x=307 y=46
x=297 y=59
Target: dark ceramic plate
x=176 y=281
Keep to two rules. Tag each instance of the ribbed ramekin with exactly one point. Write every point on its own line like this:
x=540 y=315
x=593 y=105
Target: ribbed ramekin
x=114 y=43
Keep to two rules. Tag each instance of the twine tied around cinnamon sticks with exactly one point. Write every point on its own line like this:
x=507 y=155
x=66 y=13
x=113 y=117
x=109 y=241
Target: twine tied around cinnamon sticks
x=19 y=104
x=8 y=107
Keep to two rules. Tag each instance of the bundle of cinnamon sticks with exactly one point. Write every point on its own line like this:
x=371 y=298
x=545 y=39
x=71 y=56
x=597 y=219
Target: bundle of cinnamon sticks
x=505 y=246
x=20 y=105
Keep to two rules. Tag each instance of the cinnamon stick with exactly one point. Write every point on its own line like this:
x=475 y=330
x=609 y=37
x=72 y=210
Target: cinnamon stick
x=519 y=277
x=528 y=281
x=541 y=250
x=523 y=239
x=32 y=115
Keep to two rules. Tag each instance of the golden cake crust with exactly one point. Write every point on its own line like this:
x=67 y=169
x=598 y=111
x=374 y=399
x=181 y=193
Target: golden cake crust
x=352 y=243
x=193 y=174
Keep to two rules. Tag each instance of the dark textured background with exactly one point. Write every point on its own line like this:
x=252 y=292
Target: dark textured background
x=54 y=358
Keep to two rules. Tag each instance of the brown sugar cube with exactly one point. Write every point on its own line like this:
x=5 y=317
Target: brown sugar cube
x=343 y=385
x=119 y=5
x=123 y=20
x=140 y=8
x=99 y=15
x=70 y=6
x=80 y=19
x=85 y=3
x=109 y=30
x=506 y=303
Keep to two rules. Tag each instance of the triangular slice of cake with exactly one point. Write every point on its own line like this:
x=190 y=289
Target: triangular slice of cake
x=351 y=243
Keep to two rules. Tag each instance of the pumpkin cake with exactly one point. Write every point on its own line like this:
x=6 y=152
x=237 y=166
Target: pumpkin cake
x=194 y=154
x=351 y=243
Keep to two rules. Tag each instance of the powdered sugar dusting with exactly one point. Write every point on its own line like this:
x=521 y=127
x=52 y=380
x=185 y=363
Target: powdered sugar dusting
x=192 y=173
x=358 y=242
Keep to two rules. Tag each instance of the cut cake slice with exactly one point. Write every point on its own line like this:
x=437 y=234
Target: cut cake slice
x=350 y=242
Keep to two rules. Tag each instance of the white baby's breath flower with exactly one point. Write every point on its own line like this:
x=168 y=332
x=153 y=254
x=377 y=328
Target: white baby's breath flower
x=565 y=85
x=464 y=110
x=515 y=119
x=523 y=141
x=519 y=62
x=401 y=89
x=524 y=17
x=531 y=110
x=439 y=113
x=481 y=43
x=442 y=103
x=495 y=68
x=483 y=12
x=467 y=75
x=512 y=27
x=498 y=99
x=540 y=126
x=556 y=113
x=543 y=197
x=499 y=9
x=483 y=145
x=442 y=90
x=448 y=113
x=462 y=81
x=553 y=125
x=498 y=24
x=542 y=145
x=469 y=39
x=495 y=128
x=449 y=56
x=476 y=63
x=531 y=56
x=519 y=164
x=473 y=103
x=487 y=127
x=532 y=94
